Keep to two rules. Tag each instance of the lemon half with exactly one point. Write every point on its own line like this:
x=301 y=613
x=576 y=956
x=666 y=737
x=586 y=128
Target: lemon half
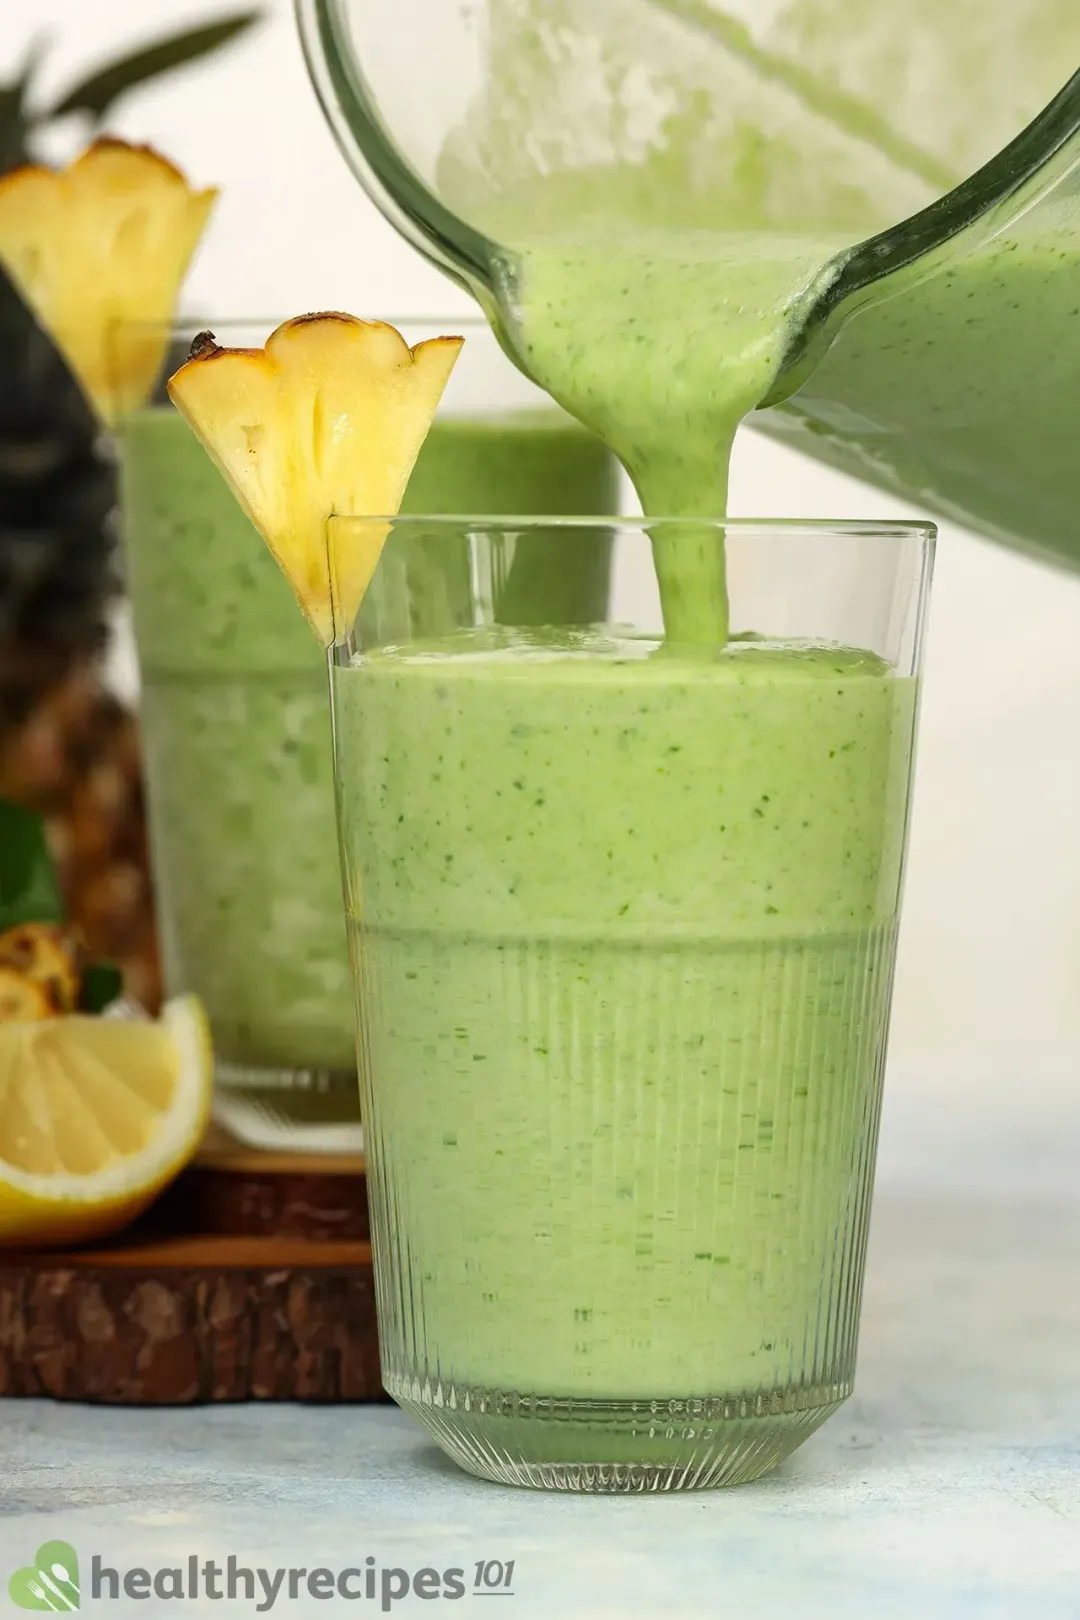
x=96 y=1116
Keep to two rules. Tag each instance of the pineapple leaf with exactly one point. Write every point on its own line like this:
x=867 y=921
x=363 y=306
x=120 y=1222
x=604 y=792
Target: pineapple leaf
x=97 y=94
x=28 y=887
x=13 y=150
x=15 y=119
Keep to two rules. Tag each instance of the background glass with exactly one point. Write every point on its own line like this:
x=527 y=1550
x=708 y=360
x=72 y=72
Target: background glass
x=622 y=918
x=237 y=732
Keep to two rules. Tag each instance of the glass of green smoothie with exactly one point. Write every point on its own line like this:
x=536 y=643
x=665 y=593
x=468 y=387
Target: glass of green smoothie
x=236 y=725
x=622 y=917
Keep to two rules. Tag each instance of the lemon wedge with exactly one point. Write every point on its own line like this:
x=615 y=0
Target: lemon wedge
x=96 y=1116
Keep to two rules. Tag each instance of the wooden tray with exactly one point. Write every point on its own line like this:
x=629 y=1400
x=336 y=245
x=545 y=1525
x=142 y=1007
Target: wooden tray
x=250 y=1279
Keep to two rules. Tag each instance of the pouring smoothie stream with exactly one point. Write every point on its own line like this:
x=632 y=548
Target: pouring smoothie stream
x=662 y=347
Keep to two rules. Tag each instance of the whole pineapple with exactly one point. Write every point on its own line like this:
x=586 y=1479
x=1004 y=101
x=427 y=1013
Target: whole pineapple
x=68 y=747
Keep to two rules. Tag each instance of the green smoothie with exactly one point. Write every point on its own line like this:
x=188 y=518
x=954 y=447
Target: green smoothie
x=623 y=918
x=667 y=344
x=931 y=392
x=682 y=145
x=663 y=347
x=237 y=732
x=624 y=931
x=237 y=745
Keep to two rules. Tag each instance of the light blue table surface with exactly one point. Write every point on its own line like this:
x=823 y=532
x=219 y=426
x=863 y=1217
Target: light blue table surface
x=948 y=1486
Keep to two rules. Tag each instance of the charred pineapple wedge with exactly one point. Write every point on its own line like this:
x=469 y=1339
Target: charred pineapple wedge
x=326 y=419
x=22 y=1000
x=99 y=250
x=46 y=959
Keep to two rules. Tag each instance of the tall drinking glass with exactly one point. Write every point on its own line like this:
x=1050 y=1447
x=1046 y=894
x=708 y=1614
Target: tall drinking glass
x=622 y=918
x=237 y=731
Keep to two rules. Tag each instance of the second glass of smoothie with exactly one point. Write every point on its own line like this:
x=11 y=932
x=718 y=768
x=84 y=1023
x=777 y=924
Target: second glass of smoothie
x=236 y=724
x=623 y=916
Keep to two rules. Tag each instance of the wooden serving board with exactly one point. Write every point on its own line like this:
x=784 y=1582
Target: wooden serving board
x=250 y=1279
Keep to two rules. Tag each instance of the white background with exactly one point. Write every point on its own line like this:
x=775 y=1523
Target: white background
x=991 y=943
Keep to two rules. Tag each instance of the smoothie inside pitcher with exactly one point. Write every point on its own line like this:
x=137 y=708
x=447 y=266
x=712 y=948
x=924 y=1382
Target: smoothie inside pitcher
x=856 y=224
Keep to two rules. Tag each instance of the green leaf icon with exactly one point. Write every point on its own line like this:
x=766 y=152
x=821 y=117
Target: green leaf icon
x=51 y=1583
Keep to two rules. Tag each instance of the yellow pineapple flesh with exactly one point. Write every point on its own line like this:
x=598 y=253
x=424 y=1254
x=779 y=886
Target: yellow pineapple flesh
x=22 y=1000
x=46 y=957
x=326 y=420
x=99 y=250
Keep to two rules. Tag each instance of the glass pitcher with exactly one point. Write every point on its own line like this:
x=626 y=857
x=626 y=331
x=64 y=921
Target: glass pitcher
x=935 y=349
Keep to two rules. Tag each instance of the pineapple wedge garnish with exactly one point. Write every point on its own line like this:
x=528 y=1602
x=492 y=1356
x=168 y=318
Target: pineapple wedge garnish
x=326 y=420
x=98 y=251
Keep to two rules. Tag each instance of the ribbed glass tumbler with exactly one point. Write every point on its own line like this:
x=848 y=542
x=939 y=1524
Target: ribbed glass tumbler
x=623 y=914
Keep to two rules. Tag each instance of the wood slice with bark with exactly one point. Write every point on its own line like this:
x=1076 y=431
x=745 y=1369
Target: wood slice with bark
x=246 y=1192
x=251 y=1279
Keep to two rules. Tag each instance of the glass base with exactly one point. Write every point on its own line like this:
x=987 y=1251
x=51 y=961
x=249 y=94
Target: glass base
x=617 y=1447
x=289 y=1110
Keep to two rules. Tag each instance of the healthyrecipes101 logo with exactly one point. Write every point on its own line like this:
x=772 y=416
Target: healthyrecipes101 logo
x=51 y=1582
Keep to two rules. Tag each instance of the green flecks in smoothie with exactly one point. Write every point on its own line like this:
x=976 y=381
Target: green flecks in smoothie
x=680 y=1017
x=715 y=313
x=691 y=121
x=959 y=387
x=236 y=722
x=927 y=390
